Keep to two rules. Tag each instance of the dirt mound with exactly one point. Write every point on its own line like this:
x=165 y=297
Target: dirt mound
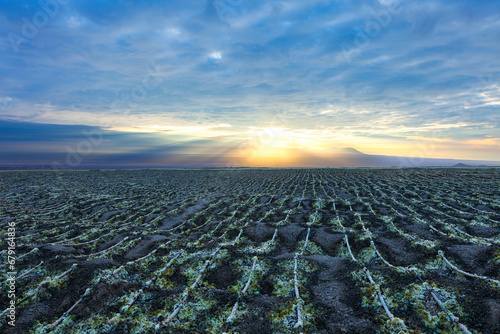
x=145 y=246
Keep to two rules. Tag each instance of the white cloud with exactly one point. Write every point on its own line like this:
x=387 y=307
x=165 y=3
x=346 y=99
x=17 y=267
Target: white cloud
x=75 y=21
x=5 y=99
x=389 y=2
x=216 y=55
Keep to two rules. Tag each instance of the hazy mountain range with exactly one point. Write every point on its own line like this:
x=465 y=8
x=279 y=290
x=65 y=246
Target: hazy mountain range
x=338 y=157
x=347 y=157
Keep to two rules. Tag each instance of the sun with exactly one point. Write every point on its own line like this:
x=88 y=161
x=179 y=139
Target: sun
x=269 y=147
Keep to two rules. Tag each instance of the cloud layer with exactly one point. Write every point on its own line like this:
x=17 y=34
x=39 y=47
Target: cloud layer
x=387 y=77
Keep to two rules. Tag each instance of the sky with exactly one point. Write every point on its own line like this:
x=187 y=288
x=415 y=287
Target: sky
x=247 y=83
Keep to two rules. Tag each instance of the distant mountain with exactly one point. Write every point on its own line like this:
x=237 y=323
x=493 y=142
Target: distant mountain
x=335 y=157
x=349 y=150
x=358 y=159
x=350 y=157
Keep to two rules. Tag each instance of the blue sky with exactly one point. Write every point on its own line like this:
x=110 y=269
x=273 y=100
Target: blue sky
x=252 y=79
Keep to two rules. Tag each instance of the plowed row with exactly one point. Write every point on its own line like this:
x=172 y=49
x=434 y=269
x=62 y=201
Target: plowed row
x=254 y=250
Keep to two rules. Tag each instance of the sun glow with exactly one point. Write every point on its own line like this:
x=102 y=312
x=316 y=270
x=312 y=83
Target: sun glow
x=289 y=138
x=269 y=157
x=279 y=147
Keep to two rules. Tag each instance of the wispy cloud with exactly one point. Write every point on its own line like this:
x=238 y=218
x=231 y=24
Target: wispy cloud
x=225 y=67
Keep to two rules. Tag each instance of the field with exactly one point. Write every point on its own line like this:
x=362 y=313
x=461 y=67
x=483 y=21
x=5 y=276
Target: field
x=253 y=250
